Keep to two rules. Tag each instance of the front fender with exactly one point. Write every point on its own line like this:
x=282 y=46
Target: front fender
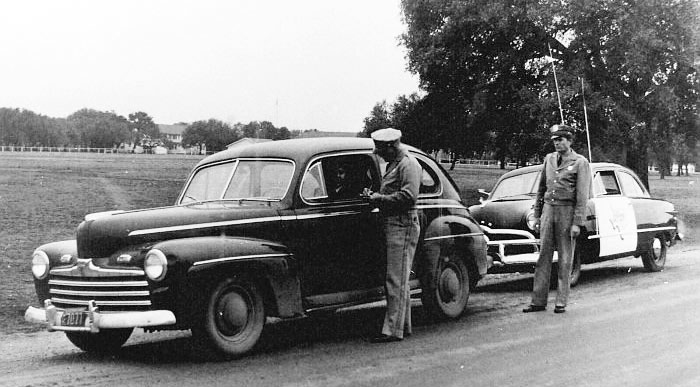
x=460 y=235
x=55 y=251
x=199 y=262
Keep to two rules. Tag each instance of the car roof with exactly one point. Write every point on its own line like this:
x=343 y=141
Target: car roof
x=296 y=149
x=596 y=167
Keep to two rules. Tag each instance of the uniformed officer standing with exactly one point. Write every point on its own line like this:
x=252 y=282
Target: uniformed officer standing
x=560 y=208
x=396 y=200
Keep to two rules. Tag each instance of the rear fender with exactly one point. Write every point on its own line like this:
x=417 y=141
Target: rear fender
x=206 y=260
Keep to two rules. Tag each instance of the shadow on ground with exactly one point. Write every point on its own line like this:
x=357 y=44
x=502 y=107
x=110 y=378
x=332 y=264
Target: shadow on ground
x=345 y=326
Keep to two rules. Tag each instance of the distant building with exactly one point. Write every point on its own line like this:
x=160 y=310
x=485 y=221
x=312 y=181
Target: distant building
x=173 y=133
x=246 y=141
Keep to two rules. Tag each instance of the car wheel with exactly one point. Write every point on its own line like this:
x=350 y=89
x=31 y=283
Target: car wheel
x=445 y=288
x=233 y=319
x=105 y=341
x=654 y=258
x=573 y=276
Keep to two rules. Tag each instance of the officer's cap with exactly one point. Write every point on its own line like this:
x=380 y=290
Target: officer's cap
x=562 y=131
x=388 y=135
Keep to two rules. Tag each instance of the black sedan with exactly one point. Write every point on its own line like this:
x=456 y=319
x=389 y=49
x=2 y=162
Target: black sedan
x=622 y=220
x=271 y=230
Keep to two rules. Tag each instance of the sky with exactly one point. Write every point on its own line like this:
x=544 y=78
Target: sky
x=303 y=64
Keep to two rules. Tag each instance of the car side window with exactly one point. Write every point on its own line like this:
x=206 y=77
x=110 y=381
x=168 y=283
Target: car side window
x=342 y=178
x=605 y=183
x=429 y=182
x=313 y=186
x=630 y=186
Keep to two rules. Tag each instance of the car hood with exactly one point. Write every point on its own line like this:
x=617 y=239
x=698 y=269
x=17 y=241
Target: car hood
x=100 y=236
x=503 y=213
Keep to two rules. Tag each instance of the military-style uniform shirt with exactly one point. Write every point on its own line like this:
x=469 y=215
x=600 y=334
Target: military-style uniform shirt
x=566 y=184
x=400 y=184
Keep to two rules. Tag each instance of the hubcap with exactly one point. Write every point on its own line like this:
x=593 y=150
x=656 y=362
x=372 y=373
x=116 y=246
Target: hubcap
x=449 y=285
x=232 y=313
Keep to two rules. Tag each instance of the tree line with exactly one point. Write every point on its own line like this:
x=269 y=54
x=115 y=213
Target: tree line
x=100 y=129
x=214 y=135
x=86 y=127
x=487 y=78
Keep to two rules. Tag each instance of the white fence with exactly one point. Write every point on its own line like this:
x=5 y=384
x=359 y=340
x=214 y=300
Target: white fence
x=475 y=162
x=12 y=148
x=61 y=149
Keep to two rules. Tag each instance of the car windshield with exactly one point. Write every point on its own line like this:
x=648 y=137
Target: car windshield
x=518 y=185
x=264 y=180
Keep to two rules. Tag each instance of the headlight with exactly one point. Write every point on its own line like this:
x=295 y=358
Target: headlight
x=155 y=265
x=40 y=264
x=531 y=220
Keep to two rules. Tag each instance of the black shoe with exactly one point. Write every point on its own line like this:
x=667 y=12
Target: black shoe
x=534 y=308
x=384 y=339
x=559 y=309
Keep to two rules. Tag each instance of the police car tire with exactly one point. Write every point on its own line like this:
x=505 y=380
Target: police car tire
x=105 y=341
x=575 y=272
x=445 y=288
x=652 y=259
x=232 y=321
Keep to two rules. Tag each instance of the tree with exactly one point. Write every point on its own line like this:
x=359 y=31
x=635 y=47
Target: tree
x=413 y=115
x=24 y=127
x=683 y=152
x=480 y=62
x=96 y=129
x=141 y=124
x=378 y=118
x=638 y=56
x=251 y=129
x=484 y=66
x=212 y=134
x=283 y=133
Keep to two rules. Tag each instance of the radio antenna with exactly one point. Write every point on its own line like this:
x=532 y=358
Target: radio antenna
x=585 y=116
x=556 y=83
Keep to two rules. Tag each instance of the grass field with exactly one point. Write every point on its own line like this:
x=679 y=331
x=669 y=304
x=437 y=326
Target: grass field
x=44 y=196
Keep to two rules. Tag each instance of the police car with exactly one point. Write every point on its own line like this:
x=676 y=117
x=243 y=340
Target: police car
x=622 y=220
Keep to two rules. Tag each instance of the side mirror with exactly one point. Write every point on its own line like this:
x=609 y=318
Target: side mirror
x=483 y=195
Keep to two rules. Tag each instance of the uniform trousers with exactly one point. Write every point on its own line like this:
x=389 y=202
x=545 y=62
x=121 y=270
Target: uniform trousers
x=555 y=229
x=401 y=233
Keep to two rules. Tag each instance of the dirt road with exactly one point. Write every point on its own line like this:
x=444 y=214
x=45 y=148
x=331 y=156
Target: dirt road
x=624 y=326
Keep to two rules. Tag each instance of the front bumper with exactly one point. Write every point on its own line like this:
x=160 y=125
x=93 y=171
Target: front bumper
x=95 y=320
x=498 y=248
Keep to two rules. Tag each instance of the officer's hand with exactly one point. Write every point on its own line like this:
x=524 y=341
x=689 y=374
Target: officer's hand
x=538 y=223
x=575 y=231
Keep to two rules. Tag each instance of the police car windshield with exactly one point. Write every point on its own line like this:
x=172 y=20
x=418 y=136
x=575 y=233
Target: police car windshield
x=518 y=185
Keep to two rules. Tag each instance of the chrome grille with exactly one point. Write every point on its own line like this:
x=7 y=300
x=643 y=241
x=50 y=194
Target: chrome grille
x=111 y=289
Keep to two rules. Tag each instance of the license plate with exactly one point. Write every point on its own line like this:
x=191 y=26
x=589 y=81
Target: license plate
x=73 y=319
